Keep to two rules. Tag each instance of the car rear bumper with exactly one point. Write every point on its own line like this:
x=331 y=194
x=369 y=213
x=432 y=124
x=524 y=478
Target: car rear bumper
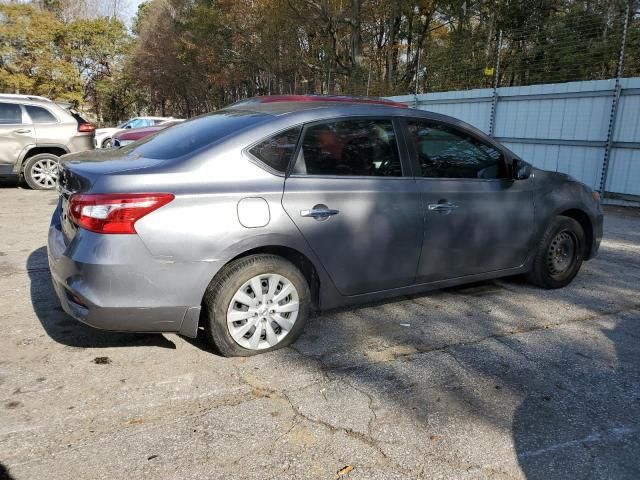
x=121 y=289
x=7 y=169
x=81 y=142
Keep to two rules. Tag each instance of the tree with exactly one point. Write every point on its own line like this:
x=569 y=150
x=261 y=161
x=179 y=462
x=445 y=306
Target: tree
x=42 y=55
x=30 y=55
x=192 y=56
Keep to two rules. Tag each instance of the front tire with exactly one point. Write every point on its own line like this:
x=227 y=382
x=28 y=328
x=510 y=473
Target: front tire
x=107 y=143
x=41 y=171
x=559 y=254
x=256 y=304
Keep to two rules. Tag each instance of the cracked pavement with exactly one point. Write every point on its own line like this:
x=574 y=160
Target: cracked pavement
x=492 y=380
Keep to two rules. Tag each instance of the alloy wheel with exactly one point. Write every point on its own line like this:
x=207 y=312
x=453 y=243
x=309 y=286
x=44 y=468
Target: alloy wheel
x=45 y=172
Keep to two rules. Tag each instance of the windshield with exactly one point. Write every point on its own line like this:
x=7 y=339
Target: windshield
x=187 y=137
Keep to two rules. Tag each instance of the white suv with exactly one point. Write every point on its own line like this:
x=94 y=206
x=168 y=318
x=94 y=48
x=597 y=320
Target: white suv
x=104 y=136
x=34 y=132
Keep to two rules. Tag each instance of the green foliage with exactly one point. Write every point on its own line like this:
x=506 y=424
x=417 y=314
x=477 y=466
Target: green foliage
x=191 y=56
x=75 y=62
x=30 y=55
x=140 y=17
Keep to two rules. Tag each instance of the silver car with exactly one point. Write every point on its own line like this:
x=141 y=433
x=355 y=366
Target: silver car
x=34 y=133
x=243 y=222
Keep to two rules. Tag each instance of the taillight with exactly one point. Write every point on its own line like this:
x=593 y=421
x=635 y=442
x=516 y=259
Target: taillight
x=114 y=212
x=86 y=127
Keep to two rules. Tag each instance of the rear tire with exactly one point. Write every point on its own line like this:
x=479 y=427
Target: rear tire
x=271 y=319
x=41 y=171
x=559 y=254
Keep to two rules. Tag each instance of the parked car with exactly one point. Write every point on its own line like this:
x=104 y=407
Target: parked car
x=244 y=221
x=125 y=137
x=105 y=135
x=34 y=132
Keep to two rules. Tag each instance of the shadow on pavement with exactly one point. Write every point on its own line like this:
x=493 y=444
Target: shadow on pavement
x=587 y=425
x=4 y=473
x=9 y=182
x=558 y=371
x=64 y=329
x=461 y=372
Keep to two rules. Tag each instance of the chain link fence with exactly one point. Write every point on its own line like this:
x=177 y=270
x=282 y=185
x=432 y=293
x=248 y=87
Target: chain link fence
x=573 y=48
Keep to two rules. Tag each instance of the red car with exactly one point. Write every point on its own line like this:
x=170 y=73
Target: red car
x=126 y=137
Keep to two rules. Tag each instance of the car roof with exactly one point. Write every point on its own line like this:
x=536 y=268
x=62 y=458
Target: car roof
x=60 y=108
x=283 y=104
x=25 y=98
x=298 y=112
x=302 y=112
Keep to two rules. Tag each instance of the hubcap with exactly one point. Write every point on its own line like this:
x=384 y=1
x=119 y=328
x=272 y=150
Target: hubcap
x=561 y=253
x=263 y=311
x=45 y=172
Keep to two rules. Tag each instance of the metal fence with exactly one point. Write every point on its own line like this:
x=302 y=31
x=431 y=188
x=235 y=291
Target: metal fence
x=589 y=129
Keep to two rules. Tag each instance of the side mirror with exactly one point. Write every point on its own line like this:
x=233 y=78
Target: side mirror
x=522 y=170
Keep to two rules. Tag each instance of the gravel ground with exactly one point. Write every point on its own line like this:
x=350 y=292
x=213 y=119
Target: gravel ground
x=494 y=380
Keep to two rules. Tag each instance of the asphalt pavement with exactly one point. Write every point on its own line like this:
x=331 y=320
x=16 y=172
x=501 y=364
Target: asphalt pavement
x=497 y=379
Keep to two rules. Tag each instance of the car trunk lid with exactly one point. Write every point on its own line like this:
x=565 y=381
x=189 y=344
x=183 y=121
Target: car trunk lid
x=78 y=173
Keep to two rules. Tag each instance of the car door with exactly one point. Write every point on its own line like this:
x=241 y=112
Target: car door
x=356 y=204
x=478 y=218
x=47 y=127
x=15 y=135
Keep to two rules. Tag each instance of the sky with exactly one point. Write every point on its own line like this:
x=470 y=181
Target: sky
x=131 y=10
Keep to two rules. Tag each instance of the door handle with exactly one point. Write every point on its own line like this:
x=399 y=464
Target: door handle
x=442 y=207
x=22 y=130
x=319 y=212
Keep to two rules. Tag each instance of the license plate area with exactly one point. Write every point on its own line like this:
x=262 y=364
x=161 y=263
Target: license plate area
x=69 y=228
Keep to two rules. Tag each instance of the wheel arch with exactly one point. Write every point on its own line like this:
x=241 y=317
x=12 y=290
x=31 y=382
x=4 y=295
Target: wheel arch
x=299 y=259
x=57 y=150
x=585 y=222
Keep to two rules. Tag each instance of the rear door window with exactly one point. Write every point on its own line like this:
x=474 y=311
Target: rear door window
x=40 y=115
x=10 y=114
x=361 y=147
x=276 y=151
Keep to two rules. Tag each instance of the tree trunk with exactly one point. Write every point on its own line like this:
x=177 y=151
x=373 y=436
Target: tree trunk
x=356 y=36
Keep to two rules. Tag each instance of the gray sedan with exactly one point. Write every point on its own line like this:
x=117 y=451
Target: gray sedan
x=243 y=222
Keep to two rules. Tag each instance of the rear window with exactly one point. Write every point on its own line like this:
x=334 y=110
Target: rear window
x=40 y=115
x=193 y=135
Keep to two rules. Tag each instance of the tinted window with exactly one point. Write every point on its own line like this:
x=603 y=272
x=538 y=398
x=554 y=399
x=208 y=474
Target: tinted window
x=357 y=147
x=444 y=152
x=10 y=113
x=276 y=151
x=40 y=115
x=193 y=135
